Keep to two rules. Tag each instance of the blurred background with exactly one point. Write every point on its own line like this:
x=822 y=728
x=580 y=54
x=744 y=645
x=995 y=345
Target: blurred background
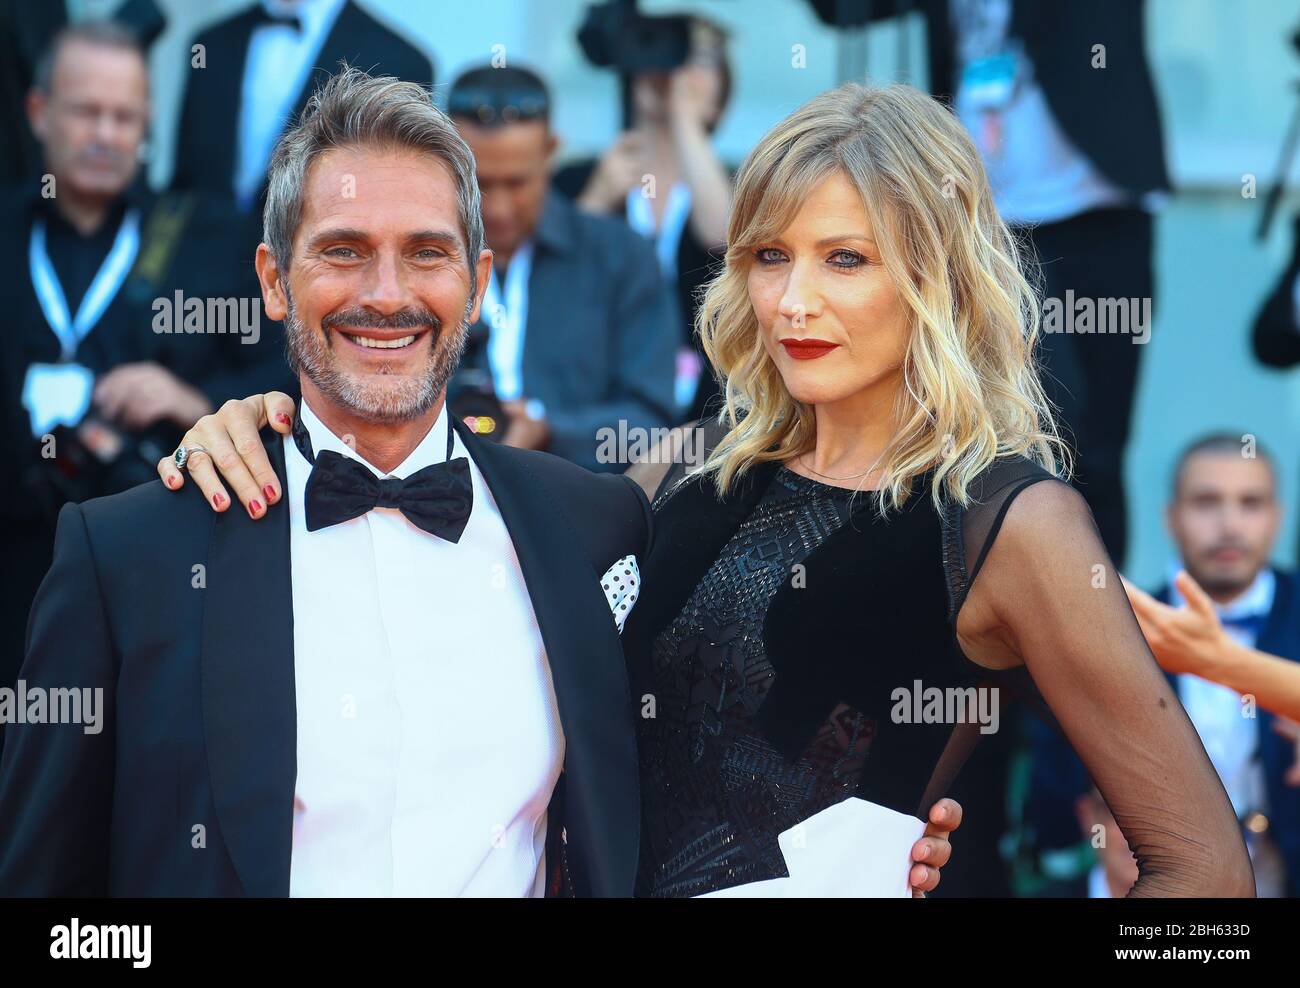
x=1225 y=75
x=1204 y=93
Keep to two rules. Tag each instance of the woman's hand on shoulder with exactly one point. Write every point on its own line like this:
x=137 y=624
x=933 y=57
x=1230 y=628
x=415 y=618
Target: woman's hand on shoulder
x=229 y=448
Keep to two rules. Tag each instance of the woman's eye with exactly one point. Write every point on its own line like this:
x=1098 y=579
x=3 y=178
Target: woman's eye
x=845 y=259
x=768 y=255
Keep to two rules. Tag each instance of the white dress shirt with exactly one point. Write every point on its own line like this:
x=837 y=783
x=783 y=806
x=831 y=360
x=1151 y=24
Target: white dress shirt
x=279 y=60
x=1036 y=172
x=1231 y=739
x=429 y=741
x=506 y=309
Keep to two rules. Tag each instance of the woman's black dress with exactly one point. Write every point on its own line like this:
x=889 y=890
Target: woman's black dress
x=785 y=653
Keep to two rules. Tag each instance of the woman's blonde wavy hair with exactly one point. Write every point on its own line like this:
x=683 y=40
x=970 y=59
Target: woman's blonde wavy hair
x=971 y=389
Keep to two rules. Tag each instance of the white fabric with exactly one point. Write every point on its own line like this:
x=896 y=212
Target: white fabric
x=507 y=317
x=57 y=394
x=429 y=741
x=276 y=68
x=667 y=236
x=1036 y=172
x=1230 y=738
x=622 y=586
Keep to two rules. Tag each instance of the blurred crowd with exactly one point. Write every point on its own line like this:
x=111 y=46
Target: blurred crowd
x=134 y=311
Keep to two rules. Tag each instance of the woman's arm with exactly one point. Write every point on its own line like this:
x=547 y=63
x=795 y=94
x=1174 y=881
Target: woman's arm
x=229 y=437
x=1191 y=639
x=1060 y=606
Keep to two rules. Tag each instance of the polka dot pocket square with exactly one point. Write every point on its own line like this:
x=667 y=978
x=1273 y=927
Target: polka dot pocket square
x=621 y=583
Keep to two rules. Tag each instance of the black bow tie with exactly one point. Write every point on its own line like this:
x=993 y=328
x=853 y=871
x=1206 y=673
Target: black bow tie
x=438 y=498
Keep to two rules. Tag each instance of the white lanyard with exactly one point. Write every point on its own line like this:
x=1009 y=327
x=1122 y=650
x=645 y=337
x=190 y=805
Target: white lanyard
x=508 y=318
x=108 y=279
x=642 y=219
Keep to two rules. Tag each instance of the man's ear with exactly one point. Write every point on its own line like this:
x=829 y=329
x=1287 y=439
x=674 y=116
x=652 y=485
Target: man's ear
x=484 y=272
x=552 y=146
x=269 y=276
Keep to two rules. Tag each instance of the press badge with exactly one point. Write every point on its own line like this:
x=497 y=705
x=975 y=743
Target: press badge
x=57 y=394
x=988 y=84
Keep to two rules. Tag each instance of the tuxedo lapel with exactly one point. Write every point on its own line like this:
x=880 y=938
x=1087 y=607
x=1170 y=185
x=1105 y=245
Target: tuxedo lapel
x=247 y=685
x=602 y=811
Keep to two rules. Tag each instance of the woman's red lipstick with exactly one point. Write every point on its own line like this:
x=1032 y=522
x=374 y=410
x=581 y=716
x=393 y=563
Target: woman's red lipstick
x=807 y=349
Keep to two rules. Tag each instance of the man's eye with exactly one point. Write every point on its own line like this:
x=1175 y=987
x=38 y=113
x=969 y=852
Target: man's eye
x=429 y=254
x=343 y=252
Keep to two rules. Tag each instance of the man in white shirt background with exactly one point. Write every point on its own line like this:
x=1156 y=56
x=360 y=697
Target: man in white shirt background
x=252 y=75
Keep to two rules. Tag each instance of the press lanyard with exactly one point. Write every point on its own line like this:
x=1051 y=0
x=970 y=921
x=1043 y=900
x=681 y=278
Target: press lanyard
x=641 y=218
x=108 y=279
x=508 y=318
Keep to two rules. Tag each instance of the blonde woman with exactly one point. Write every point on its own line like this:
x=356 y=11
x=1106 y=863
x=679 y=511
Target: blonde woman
x=879 y=517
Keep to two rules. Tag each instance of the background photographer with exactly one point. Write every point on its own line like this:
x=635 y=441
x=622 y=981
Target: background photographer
x=663 y=175
x=92 y=259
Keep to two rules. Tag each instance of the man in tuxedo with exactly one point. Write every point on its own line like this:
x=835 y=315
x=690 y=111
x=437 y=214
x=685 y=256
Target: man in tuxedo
x=1224 y=517
x=408 y=681
x=579 y=328
x=251 y=74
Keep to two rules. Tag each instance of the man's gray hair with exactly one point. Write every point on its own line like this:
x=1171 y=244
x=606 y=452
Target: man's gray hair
x=355 y=109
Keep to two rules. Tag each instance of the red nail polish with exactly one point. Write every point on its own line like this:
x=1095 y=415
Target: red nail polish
x=218 y=500
x=269 y=491
x=254 y=508
x=282 y=418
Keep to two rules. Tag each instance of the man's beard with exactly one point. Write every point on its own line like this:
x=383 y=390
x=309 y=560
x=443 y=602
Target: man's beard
x=400 y=400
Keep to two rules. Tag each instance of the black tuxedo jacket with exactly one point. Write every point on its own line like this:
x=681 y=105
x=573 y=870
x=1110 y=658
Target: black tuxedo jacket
x=184 y=618
x=207 y=142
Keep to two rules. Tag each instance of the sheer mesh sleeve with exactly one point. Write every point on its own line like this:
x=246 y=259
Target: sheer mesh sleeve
x=1045 y=573
x=685 y=448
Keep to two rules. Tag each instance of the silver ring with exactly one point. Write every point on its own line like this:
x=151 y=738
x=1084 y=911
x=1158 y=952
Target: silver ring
x=183 y=454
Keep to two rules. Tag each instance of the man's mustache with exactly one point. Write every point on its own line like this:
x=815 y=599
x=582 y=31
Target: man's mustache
x=1219 y=547
x=365 y=319
x=101 y=153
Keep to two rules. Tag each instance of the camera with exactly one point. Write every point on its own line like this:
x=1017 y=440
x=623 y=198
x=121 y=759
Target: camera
x=615 y=35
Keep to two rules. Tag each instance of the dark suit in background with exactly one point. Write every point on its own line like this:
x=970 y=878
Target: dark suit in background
x=207 y=142
x=601 y=337
x=1059 y=777
x=697 y=265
